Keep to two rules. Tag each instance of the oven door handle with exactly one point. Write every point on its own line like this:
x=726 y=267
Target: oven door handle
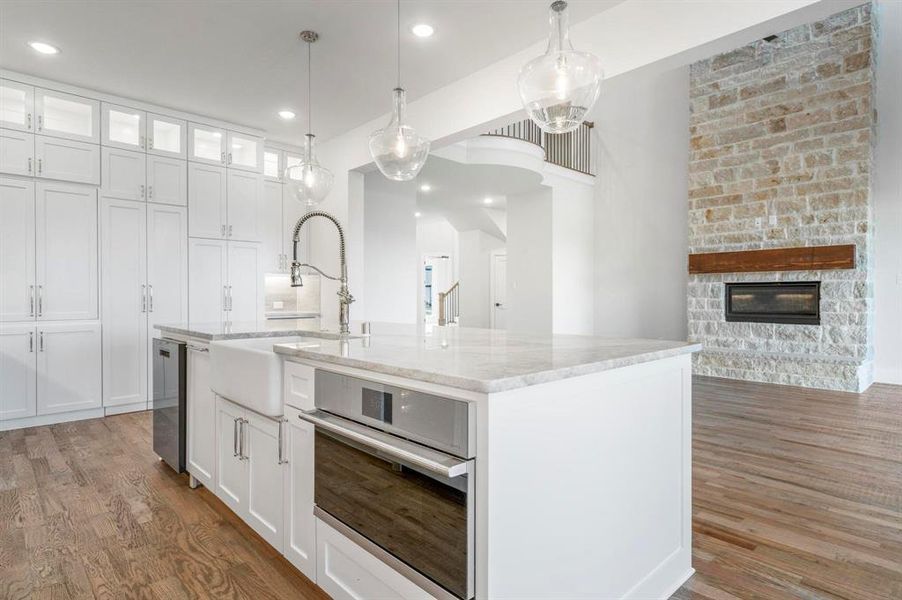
x=427 y=459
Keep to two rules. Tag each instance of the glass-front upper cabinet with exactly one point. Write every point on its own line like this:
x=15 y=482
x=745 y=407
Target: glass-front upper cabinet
x=16 y=105
x=123 y=127
x=273 y=164
x=245 y=152
x=292 y=160
x=166 y=136
x=206 y=144
x=67 y=116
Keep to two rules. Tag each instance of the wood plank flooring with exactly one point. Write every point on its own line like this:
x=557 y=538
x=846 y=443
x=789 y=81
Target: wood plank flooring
x=797 y=494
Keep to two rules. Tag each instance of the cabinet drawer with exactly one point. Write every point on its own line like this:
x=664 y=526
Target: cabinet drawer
x=298 y=385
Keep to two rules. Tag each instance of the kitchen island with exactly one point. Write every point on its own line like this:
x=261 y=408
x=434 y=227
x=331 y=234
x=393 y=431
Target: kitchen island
x=576 y=480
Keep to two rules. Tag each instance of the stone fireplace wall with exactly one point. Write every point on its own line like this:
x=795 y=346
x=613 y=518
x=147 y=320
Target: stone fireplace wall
x=781 y=135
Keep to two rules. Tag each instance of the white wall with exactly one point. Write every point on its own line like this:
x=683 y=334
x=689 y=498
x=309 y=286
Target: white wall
x=573 y=243
x=641 y=236
x=887 y=197
x=529 y=262
x=435 y=238
x=391 y=260
x=475 y=277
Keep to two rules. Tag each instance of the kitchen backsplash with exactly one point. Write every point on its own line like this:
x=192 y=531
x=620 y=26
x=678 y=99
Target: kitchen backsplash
x=281 y=297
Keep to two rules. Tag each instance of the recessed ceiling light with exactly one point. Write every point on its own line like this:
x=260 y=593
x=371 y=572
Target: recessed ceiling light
x=422 y=30
x=425 y=187
x=487 y=200
x=286 y=114
x=418 y=214
x=43 y=48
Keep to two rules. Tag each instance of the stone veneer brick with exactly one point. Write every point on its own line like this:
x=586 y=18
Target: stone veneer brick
x=781 y=143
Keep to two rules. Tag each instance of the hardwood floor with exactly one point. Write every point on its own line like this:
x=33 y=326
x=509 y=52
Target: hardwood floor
x=797 y=494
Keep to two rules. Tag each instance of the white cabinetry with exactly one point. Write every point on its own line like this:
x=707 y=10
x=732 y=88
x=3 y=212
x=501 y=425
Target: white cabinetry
x=66 y=240
x=16 y=152
x=166 y=136
x=68 y=367
x=16 y=105
x=226 y=282
x=207 y=201
x=272 y=257
x=245 y=283
x=167 y=264
x=123 y=127
x=299 y=543
x=17 y=250
x=207 y=144
x=245 y=194
x=125 y=302
x=67 y=116
x=231 y=468
x=123 y=174
x=67 y=160
x=244 y=152
x=18 y=375
x=279 y=211
x=167 y=180
x=202 y=417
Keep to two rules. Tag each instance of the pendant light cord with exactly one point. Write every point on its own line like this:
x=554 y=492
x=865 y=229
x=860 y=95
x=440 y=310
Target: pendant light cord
x=399 y=43
x=309 y=87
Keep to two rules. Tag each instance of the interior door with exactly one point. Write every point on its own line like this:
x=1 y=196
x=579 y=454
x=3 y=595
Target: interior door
x=17 y=250
x=122 y=174
x=499 y=291
x=245 y=195
x=67 y=160
x=123 y=127
x=16 y=153
x=67 y=116
x=166 y=136
x=201 y=418
x=167 y=180
x=231 y=468
x=18 y=379
x=125 y=302
x=245 y=283
x=207 y=277
x=207 y=201
x=69 y=375
x=271 y=227
x=265 y=478
x=66 y=234
x=16 y=105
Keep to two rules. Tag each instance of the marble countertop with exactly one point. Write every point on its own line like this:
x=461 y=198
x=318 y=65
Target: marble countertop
x=481 y=360
x=246 y=329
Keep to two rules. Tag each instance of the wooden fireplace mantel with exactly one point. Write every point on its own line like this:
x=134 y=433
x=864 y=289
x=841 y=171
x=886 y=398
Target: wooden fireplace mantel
x=808 y=258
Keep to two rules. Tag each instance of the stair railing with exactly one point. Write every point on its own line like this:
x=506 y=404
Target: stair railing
x=449 y=305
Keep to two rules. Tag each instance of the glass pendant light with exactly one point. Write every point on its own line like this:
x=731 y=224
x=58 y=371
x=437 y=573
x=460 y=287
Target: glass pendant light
x=561 y=86
x=399 y=151
x=310 y=182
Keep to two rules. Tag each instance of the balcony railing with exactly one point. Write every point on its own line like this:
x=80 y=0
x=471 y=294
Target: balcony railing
x=569 y=150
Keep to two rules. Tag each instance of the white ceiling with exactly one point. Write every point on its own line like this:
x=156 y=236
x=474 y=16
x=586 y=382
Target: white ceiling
x=242 y=61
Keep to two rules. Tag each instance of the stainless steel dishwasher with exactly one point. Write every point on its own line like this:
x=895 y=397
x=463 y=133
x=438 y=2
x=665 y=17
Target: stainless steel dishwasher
x=169 y=402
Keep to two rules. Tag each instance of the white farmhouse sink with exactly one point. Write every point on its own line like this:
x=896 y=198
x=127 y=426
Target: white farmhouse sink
x=249 y=373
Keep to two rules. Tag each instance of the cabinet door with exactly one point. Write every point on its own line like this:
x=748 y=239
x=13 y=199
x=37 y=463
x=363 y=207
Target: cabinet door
x=231 y=470
x=66 y=160
x=16 y=152
x=167 y=180
x=245 y=195
x=68 y=367
x=17 y=250
x=207 y=201
x=272 y=260
x=67 y=116
x=206 y=144
x=207 y=277
x=245 y=152
x=265 y=476
x=123 y=127
x=245 y=283
x=16 y=105
x=273 y=164
x=18 y=380
x=299 y=545
x=66 y=234
x=125 y=297
x=166 y=136
x=292 y=210
x=201 y=418
x=122 y=174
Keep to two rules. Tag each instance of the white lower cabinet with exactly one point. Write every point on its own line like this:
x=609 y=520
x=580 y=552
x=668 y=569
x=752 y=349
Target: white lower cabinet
x=299 y=542
x=348 y=572
x=202 y=415
x=68 y=367
x=231 y=468
x=18 y=371
x=16 y=152
x=68 y=160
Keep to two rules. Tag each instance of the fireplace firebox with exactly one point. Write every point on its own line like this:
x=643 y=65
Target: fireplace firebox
x=797 y=302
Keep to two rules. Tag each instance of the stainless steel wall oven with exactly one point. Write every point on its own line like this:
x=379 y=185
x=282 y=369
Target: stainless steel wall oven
x=394 y=471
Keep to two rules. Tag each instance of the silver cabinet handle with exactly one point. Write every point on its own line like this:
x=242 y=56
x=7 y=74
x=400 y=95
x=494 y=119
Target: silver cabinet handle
x=40 y=300
x=241 y=439
x=40 y=166
x=282 y=460
x=230 y=158
x=29 y=121
x=142 y=190
x=31 y=303
x=235 y=437
x=150 y=191
x=223 y=229
x=230 y=231
x=31 y=342
x=150 y=144
x=29 y=164
x=230 y=298
x=197 y=348
x=42 y=341
x=225 y=298
x=40 y=122
x=141 y=143
x=222 y=157
x=149 y=298
x=143 y=298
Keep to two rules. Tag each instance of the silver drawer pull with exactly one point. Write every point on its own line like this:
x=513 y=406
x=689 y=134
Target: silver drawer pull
x=430 y=460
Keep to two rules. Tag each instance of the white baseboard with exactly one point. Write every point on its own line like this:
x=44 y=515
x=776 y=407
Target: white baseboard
x=125 y=408
x=78 y=415
x=665 y=579
x=884 y=375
